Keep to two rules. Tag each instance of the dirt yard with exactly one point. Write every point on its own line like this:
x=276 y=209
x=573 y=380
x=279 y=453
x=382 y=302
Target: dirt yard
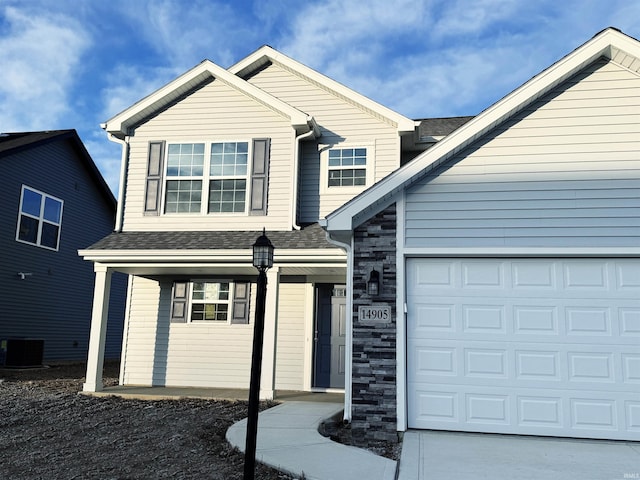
x=49 y=431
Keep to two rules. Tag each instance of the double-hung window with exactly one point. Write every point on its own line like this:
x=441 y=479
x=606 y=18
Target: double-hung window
x=185 y=168
x=207 y=177
x=228 y=177
x=210 y=301
x=40 y=219
x=215 y=301
x=347 y=167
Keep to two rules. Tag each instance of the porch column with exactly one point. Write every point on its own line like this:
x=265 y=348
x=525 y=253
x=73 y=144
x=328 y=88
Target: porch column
x=267 y=378
x=97 y=336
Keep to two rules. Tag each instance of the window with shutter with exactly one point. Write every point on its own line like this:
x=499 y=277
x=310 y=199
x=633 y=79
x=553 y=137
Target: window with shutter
x=210 y=301
x=208 y=178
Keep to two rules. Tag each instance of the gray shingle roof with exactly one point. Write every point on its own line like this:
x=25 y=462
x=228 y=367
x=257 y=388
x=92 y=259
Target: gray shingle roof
x=310 y=237
x=440 y=127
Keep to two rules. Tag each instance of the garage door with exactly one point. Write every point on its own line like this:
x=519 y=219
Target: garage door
x=526 y=346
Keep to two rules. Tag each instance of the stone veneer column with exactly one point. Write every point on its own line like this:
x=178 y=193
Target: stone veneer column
x=373 y=414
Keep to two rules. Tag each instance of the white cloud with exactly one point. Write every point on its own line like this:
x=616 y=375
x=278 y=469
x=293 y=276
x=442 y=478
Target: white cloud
x=128 y=84
x=184 y=33
x=39 y=54
x=444 y=57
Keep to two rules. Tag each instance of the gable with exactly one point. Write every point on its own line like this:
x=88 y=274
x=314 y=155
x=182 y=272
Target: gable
x=266 y=57
x=562 y=172
x=214 y=113
x=190 y=82
x=608 y=44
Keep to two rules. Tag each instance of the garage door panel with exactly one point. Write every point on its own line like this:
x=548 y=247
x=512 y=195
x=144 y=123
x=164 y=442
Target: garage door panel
x=569 y=319
x=539 y=346
x=526 y=411
x=518 y=364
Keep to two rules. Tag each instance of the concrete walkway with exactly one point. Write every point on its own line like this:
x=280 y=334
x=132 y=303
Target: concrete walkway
x=288 y=440
x=431 y=455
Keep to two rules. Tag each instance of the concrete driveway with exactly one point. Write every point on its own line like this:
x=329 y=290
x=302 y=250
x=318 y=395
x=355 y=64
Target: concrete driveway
x=432 y=455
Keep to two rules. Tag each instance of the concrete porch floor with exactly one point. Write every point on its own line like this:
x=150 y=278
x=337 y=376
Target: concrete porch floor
x=230 y=394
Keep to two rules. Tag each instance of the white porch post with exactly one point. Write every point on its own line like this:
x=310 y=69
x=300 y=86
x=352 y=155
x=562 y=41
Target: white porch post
x=267 y=378
x=97 y=336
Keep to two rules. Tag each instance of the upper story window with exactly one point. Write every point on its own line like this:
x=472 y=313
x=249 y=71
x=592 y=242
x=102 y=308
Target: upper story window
x=185 y=168
x=347 y=167
x=228 y=172
x=39 y=219
x=214 y=177
x=346 y=170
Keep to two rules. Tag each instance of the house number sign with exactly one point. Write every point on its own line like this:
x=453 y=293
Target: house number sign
x=374 y=314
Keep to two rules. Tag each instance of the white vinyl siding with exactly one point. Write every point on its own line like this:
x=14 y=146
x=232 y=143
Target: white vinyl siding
x=208 y=354
x=214 y=113
x=142 y=357
x=341 y=123
x=290 y=339
x=202 y=354
x=565 y=172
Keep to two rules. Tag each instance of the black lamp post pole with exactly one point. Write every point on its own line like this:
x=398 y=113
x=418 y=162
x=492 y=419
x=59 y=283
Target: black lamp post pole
x=256 y=370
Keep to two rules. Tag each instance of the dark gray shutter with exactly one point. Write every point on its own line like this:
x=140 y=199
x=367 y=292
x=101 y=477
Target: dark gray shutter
x=240 y=312
x=259 y=176
x=179 y=300
x=153 y=188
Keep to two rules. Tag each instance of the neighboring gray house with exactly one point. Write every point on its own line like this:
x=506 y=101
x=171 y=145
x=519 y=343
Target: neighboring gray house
x=54 y=202
x=508 y=259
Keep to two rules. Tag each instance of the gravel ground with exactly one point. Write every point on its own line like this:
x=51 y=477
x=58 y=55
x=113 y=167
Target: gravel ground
x=49 y=431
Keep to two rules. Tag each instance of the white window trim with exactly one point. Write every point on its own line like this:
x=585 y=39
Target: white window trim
x=41 y=219
x=324 y=168
x=206 y=178
x=229 y=301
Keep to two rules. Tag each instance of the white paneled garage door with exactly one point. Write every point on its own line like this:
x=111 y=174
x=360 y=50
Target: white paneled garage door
x=527 y=346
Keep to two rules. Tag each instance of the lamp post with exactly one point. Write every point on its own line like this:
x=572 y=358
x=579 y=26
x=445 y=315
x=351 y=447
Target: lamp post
x=262 y=260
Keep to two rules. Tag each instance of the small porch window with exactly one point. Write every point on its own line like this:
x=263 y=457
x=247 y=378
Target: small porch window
x=210 y=301
x=215 y=301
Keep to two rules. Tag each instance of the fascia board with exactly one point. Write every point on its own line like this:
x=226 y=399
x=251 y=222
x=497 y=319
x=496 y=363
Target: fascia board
x=163 y=96
x=381 y=192
x=298 y=256
x=259 y=57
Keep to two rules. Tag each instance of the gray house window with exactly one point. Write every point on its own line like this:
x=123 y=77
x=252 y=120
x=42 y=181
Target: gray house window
x=39 y=219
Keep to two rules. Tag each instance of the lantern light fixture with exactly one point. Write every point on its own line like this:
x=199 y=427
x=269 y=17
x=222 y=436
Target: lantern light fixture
x=373 y=285
x=263 y=252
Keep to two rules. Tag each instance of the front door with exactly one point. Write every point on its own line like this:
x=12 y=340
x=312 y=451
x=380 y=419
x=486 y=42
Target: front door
x=330 y=330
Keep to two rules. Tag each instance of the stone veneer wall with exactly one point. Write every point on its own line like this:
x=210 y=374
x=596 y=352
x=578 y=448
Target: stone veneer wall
x=373 y=413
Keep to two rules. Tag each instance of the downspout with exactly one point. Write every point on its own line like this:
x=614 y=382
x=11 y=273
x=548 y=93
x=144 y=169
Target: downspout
x=123 y=178
x=296 y=168
x=348 y=367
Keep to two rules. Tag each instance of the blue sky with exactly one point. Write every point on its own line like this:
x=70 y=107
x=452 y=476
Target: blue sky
x=76 y=63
